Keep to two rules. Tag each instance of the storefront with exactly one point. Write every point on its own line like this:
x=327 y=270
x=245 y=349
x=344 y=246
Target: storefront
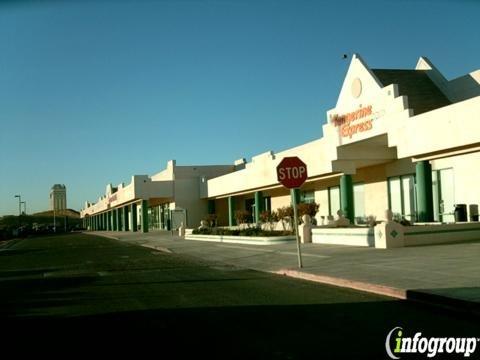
x=404 y=140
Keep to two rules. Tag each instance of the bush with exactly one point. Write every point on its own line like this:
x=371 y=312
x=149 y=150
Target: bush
x=242 y=216
x=211 y=219
x=284 y=212
x=268 y=216
x=307 y=209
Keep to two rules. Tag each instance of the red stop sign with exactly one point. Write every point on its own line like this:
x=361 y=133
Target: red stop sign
x=292 y=172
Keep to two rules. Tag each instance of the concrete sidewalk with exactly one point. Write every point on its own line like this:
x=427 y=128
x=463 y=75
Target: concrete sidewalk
x=447 y=275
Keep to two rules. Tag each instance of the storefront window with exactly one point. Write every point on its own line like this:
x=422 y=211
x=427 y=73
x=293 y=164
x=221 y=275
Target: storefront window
x=401 y=197
x=359 y=203
x=443 y=195
x=307 y=197
x=333 y=200
x=154 y=218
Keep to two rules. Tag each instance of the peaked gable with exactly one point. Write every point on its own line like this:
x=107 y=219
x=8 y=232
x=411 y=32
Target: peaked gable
x=360 y=86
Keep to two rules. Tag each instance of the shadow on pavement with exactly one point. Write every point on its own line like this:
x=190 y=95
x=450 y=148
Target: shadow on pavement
x=321 y=331
x=462 y=299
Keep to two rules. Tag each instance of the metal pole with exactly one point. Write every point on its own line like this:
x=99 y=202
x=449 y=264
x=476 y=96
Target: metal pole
x=299 y=252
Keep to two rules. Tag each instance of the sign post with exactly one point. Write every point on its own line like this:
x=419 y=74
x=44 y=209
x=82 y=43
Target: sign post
x=292 y=173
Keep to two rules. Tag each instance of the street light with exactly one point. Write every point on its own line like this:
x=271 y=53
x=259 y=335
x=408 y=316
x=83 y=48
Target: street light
x=19 y=204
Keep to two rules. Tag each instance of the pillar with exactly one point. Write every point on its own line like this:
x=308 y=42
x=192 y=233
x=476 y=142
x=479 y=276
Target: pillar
x=231 y=211
x=295 y=193
x=133 y=210
x=125 y=218
x=346 y=197
x=144 y=216
x=258 y=205
x=423 y=172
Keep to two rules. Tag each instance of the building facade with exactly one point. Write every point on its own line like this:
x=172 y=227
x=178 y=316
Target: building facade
x=58 y=197
x=404 y=140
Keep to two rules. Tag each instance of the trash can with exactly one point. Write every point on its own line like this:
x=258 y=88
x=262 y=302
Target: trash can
x=460 y=212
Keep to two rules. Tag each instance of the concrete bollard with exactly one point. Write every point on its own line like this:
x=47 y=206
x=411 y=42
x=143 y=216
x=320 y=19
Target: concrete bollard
x=181 y=230
x=305 y=229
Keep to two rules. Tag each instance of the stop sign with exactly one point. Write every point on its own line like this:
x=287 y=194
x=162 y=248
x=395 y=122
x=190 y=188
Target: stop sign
x=292 y=172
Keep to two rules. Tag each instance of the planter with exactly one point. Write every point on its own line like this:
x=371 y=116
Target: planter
x=252 y=240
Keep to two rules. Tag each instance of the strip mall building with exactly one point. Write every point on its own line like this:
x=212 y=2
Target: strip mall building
x=405 y=140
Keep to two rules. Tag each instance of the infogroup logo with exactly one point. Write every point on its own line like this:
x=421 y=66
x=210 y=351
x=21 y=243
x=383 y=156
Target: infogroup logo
x=432 y=346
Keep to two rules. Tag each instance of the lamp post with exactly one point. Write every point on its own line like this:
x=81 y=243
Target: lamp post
x=19 y=204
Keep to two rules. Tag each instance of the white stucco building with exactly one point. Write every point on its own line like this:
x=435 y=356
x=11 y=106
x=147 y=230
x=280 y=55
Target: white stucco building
x=405 y=140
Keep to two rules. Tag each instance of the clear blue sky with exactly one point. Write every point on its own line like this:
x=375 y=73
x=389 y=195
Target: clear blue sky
x=92 y=92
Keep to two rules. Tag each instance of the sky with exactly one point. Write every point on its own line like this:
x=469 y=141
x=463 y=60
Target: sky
x=92 y=92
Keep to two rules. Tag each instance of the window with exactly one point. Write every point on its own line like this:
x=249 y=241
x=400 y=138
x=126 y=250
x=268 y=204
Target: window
x=359 y=202
x=307 y=197
x=443 y=195
x=401 y=197
x=333 y=200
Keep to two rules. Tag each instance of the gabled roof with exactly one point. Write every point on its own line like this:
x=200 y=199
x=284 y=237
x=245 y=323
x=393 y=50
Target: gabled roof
x=423 y=94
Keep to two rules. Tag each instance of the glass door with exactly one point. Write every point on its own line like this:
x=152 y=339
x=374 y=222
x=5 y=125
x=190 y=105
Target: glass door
x=443 y=195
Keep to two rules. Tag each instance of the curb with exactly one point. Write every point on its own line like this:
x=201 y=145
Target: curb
x=412 y=295
x=417 y=296
x=357 y=285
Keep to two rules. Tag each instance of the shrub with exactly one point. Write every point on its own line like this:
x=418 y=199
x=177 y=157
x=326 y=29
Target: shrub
x=202 y=231
x=242 y=216
x=284 y=212
x=307 y=209
x=268 y=216
x=211 y=219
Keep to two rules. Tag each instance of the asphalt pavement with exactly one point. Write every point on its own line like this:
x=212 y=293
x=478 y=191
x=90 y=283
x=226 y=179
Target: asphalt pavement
x=65 y=296
x=446 y=275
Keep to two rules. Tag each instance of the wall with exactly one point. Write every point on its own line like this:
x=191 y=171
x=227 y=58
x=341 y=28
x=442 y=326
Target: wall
x=187 y=197
x=343 y=236
x=261 y=171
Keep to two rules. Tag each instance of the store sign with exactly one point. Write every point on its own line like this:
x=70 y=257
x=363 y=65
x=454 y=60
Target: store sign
x=353 y=122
